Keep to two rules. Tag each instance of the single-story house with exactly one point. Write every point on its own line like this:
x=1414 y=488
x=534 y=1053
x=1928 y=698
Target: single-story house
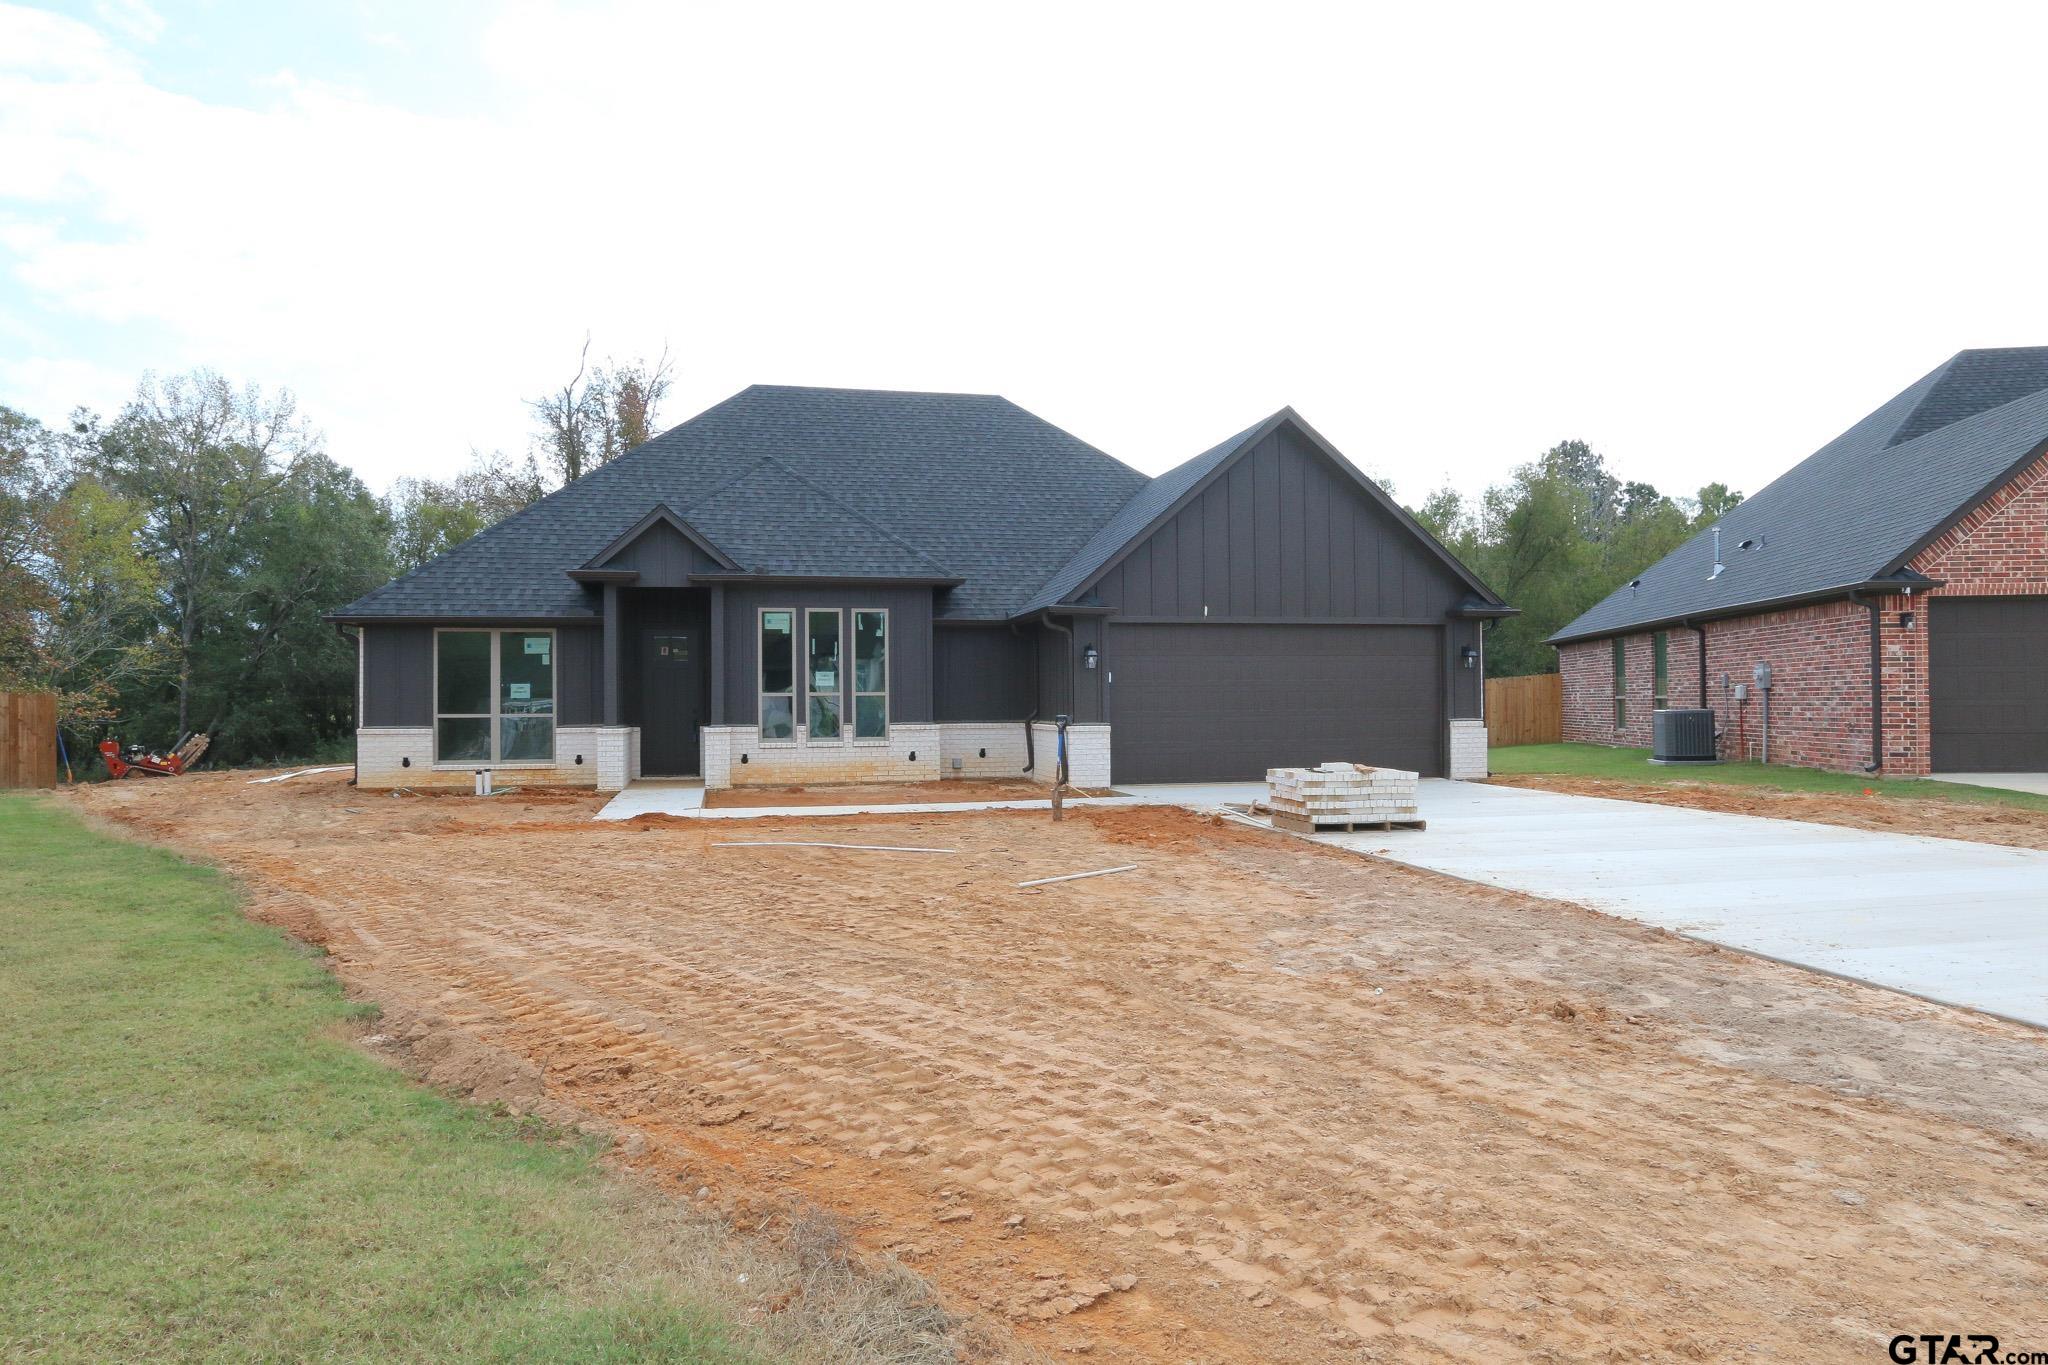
x=803 y=585
x=1896 y=582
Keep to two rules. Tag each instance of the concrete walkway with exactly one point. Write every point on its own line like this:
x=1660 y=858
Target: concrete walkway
x=686 y=800
x=1958 y=922
x=2036 y=783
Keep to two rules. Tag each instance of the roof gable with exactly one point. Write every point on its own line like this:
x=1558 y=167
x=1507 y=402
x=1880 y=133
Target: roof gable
x=1164 y=498
x=1853 y=512
x=661 y=542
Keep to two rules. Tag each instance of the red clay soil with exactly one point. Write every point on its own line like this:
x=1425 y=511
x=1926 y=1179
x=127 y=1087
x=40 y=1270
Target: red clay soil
x=1980 y=822
x=1253 y=1101
x=884 y=794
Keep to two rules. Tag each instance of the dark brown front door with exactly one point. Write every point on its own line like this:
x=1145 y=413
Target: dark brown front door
x=671 y=700
x=1988 y=683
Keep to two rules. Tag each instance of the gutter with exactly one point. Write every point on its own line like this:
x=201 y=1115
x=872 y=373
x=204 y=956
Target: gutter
x=1876 y=763
x=1886 y=586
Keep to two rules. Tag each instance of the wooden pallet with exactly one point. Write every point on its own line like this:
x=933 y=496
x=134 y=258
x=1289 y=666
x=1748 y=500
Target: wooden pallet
x=1296 y=824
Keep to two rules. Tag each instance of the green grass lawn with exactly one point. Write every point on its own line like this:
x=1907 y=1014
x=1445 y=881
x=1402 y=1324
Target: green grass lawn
x=194 y=1164
x=1633 y=765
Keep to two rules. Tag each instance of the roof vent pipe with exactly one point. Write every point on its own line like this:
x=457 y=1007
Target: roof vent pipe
x=1717 y=556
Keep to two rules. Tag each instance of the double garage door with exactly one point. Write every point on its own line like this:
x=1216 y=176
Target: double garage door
x=1988 y=683
x=1208 y=703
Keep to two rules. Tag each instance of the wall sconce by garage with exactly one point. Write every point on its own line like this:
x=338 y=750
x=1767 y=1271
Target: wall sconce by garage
x=1470 y=654
x=1905 y=620
x=1089 y=656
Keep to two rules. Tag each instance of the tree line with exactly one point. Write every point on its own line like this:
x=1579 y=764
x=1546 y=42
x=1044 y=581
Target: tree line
x=165 y=570
x=1560 y=534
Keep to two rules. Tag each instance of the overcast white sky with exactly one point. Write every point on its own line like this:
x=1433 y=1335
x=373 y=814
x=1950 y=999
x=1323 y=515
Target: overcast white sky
x=1703 y=239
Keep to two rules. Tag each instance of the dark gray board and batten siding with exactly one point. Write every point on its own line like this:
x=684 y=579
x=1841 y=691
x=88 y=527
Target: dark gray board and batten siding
x=983 y=673
x=398 y=674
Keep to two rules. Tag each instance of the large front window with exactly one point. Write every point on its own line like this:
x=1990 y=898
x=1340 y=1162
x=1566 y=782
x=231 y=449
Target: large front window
x=778 y=675
x=870 y=674
x=821 y=672
x=494 y=696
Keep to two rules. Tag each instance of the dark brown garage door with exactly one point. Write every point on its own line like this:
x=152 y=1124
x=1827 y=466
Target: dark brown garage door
x=1198 y=703
x=1988 y=682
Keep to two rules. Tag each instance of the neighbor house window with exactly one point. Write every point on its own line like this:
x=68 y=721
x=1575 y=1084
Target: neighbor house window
x=494 y=696
x=1660 y=687
x=870 y=674
x=821 y=673
x=1620 y=682
x=778 y=674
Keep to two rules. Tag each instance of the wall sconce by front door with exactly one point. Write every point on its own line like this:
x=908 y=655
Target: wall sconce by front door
x=1089 y=656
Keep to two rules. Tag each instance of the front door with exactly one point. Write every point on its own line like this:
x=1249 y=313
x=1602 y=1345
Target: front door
x=671 y=700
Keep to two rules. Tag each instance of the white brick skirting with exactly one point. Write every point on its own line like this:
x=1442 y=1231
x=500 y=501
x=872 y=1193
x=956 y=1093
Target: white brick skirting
x=1087 y=754
x=403 y=756
x=736 y=756
x=1468 y=749
x=970 y=749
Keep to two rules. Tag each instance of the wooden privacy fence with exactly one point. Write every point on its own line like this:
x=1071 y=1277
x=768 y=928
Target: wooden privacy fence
x=1525 y=710
x=28 y=739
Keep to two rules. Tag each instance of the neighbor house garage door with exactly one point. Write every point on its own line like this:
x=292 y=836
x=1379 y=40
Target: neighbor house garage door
x=1200 y=703
x=1988 y=683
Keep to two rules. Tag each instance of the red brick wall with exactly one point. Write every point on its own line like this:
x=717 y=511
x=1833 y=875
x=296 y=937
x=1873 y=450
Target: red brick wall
x=1820 y=685
x=1588 y=671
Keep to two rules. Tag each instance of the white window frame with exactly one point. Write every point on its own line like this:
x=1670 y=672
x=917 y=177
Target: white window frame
x=852 y=722
x=839 y=693
x=494 y=714
x=796 y=665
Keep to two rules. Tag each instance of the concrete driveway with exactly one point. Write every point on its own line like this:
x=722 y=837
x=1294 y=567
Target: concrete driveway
x=1957 y=922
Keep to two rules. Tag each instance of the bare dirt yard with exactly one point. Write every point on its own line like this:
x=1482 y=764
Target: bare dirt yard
x=1980 y=822
x=1255 y=1101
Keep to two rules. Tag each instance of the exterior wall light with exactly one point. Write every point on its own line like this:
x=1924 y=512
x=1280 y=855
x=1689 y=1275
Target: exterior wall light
x=1089 y=656
x=1470 y=654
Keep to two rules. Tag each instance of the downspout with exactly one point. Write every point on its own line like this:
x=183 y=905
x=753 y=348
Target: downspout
x=1030 y=749
x=1073 y=689
x=1876 y=763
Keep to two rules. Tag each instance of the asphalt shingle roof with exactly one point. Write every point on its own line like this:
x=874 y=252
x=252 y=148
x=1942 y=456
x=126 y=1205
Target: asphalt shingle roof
x=1860 y=505
x=1145 y=507
x=816 y=482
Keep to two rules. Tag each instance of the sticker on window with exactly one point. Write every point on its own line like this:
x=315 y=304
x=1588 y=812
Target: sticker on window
x=519 y=691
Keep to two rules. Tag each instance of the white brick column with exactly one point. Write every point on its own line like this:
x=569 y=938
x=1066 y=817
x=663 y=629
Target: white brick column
x=1468 y=749
x=618 y=756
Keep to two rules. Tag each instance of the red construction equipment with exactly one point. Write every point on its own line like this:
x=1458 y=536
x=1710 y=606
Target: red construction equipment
x=148 y=763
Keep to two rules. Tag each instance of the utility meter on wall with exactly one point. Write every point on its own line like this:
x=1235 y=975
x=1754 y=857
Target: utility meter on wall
x=1763 y=677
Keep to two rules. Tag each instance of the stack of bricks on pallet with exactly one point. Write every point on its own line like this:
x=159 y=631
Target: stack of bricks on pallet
x=1341 y=794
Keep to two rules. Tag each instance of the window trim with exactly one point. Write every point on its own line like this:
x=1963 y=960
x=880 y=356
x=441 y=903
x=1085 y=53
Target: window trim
x=1620 y=682
x=494 y=715
x=1660 y=671
x=852 y=729
x=761 y=692
x=839 y=614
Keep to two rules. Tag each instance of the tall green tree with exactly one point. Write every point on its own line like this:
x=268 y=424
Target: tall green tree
x=1559 y=535
x=429 y=517
x=77 y=595
x=205 y=460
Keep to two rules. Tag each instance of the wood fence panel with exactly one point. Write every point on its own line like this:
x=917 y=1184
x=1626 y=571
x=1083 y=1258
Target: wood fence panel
x=28 y=739
x=1525 y=710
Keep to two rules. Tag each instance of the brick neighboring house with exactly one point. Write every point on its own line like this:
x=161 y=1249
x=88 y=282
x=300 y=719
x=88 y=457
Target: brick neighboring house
x=1896 y=581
